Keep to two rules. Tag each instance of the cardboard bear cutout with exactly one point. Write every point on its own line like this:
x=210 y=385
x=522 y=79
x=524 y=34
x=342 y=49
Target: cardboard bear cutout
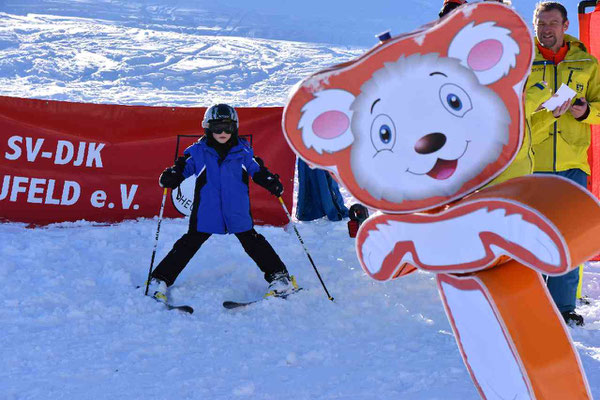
x=403 y=126
x=416 y=127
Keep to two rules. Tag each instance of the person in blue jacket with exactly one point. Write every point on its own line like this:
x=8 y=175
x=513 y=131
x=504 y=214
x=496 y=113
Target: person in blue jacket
x=222 y=163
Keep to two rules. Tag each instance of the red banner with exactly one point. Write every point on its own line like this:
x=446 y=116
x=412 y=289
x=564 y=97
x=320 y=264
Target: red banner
x=589 y=32
x=64 y=161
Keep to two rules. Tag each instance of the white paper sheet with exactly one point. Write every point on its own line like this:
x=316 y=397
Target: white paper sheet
x=563 y=94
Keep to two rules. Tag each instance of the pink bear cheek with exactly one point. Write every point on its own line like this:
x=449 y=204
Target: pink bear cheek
x=485 y=55
x=330 y=124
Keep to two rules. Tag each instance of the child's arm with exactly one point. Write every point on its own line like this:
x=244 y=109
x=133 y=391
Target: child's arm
x=184 y=167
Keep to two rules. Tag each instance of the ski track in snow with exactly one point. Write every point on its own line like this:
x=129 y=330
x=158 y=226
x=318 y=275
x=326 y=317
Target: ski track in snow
x=75 y=327
x=84 y=60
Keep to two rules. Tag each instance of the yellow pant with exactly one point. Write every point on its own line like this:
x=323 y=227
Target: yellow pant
x=580 y=281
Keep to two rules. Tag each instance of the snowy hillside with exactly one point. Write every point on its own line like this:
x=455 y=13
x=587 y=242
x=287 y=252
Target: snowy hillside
x=185 y=52
x=77 y=59
x=73 y=324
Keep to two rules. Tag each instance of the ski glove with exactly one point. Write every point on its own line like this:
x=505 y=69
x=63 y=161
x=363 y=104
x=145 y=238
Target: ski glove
x=173 y=176
x=275 y=186
x=269 y=181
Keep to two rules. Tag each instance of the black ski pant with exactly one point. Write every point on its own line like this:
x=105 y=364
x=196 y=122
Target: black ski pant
x=255 y=245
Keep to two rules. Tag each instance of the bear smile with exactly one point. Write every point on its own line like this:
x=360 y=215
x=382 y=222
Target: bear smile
x=443 y=169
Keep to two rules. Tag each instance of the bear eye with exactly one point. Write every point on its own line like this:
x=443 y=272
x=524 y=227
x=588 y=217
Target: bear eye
x=383 y=133
x=455 y=100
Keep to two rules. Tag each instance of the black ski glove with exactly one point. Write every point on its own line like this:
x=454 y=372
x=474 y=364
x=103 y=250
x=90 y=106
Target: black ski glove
x=173 y=176
x=170 y=178
x=269 y=181
x=275 y=186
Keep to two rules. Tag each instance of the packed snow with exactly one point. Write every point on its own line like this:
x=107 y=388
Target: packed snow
x=74 y=325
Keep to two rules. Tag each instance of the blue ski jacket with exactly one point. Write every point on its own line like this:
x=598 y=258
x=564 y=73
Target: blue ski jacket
x=221 y=197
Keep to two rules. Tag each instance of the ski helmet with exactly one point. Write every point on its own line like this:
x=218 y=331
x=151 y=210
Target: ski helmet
x=220 y=113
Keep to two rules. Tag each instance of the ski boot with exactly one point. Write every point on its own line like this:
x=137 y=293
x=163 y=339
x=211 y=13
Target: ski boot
x=572 y=318
x=357 y=214
x=282 y=285
x=158 y=290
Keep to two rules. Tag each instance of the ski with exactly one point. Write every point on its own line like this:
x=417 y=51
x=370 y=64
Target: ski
x=230 y=305
x=234 y=304
x=186 y=309
x=183 y=308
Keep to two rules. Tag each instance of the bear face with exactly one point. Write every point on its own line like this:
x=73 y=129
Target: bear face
x=424 y=126
x=422 y=119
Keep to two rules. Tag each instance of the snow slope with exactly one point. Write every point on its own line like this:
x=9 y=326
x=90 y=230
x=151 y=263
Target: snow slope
x=73 y=324
x=349 y=22
x=75 y=327
x=77 y=59
x=187 y=53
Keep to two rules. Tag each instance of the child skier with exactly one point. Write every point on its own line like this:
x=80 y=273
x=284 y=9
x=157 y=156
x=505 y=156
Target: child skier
x=221 y=162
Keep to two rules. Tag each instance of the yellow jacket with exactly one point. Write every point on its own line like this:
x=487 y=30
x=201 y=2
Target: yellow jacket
x=562 y=143
x=524 y=160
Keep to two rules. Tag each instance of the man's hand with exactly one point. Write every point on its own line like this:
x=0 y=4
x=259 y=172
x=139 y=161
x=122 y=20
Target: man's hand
x=579 y=108
x=560 y=110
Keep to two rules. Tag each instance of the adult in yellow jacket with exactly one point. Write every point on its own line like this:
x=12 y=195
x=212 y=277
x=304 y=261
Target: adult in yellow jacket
x=561 y=137
x=523 y=164
x=535 y=96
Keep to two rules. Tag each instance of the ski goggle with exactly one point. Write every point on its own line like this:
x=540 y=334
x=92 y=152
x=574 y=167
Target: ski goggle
x=218 y=127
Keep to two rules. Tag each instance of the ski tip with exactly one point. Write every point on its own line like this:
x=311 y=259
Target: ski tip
x=186 y=309
x=234 y=304
x=229 y=304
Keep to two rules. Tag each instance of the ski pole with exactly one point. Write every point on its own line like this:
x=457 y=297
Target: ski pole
x=160 y=215
x=304 y=247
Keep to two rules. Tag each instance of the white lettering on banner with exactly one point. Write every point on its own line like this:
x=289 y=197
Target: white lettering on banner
x=34 y=189
x=12 y=143
x=60 y=158
x=49 y=199
x=64 y=193
x=17 y=187
x=65 y=152
x=68 y=198
x=4 y=191
x=94 y=155
x=80 y=154
x=98 y=198
x=127 y=199
x=32 y=151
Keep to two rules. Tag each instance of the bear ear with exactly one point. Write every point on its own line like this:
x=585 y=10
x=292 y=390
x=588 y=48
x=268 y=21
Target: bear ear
x=486 y=49
x=326 y=120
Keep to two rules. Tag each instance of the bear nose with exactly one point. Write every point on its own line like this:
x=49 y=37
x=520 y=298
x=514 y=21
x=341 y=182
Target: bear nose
x=430 y=143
